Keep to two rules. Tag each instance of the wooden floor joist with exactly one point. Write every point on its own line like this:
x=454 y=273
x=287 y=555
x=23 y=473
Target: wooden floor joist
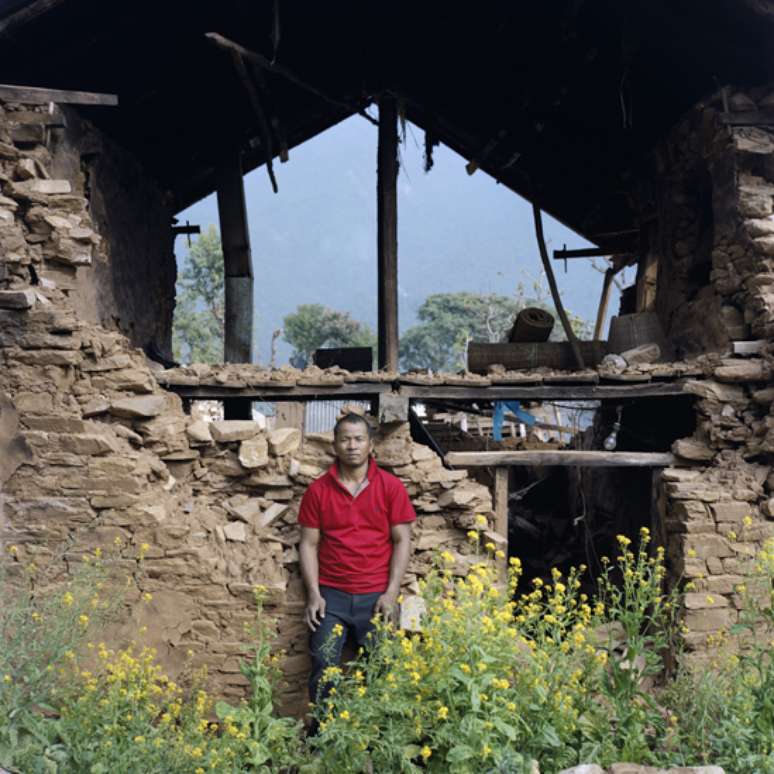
x=354 y=390
x=590 y=459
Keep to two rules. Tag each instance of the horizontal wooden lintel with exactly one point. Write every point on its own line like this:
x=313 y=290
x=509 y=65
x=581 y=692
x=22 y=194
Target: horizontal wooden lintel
x=590 y=459
x=38 y=96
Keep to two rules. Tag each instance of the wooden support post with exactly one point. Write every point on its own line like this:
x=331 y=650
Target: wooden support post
x=607 y=283
x=387 y=232
x=500 y=503
x=235 y=239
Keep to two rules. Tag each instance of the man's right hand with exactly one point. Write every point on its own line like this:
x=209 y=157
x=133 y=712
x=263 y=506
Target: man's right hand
x=315 y=611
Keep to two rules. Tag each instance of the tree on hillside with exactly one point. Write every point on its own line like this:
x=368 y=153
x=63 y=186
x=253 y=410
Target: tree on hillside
x=197 y=332
x=449 y=321
x=313 y=326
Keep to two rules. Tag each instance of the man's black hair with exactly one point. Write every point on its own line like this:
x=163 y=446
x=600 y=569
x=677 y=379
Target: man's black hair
x=352 y=419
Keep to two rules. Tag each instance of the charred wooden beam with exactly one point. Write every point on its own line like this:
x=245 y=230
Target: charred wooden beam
x=387 y=232
x=284 y=72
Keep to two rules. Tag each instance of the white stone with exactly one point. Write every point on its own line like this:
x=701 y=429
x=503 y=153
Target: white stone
x=254 y=453
x=412 y=608
x=199 y=431
x=235 y=531
x=228 y=430
x=273 y=512
x=47 y=186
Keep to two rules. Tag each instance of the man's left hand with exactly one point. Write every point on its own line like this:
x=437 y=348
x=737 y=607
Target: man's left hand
x=386 y=606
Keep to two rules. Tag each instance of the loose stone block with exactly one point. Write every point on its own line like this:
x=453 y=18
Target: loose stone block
x=17 y=299
x=254 y=453
x=692 y=449
x=228 y=430
x=199 y=431
x=271 y=514
x=235 y=531
x=144 y=407
x=284 y=440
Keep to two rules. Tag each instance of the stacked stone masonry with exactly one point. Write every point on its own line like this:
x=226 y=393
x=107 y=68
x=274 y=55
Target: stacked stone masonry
x=95 y=453
x=717 y=513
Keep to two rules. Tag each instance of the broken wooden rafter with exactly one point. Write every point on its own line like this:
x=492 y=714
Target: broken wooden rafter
x=27 y=13
x=569 y=332
x=590 y=459
x=187 y=229
x=583 y=252
x=255 y=101
x=485 y=152
x=273 y=67
x=38 y=96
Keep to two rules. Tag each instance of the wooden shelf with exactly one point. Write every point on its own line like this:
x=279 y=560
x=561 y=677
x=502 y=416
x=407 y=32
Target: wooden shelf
x=365 y=390
x=589 y=459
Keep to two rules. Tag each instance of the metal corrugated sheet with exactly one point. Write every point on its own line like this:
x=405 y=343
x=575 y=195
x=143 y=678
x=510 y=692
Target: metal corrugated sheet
x=321 y=415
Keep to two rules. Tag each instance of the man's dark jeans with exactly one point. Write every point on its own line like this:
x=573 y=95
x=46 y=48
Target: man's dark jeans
x=353 y=612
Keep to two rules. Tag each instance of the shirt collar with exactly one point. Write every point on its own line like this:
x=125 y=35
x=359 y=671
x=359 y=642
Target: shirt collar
x=373 y=469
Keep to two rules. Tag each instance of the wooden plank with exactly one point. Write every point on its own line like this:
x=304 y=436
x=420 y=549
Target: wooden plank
x=38 y=96
x=349 y=391
x=356 y=390
x=527 y=355
x=546 y=391
x=749 y=118
x=387 y=232
x=591 y=459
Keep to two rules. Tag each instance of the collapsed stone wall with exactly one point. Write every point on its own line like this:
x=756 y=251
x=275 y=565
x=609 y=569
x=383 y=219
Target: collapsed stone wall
x=94 y=453
x=716 y=515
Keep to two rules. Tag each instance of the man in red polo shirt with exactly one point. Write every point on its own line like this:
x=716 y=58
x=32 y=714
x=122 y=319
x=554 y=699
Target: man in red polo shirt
x=355 y=541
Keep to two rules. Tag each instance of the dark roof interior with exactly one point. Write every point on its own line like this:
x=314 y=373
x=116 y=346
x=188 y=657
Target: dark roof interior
x=559 y=100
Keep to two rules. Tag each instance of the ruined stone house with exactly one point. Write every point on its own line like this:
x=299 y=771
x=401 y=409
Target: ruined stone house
x=646 y=127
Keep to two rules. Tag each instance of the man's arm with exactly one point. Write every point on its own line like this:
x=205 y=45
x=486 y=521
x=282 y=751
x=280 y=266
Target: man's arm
x=310 y=571
x=401 y=549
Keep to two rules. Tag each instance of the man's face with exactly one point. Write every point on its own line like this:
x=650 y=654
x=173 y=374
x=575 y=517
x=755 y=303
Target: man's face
x=352 y=444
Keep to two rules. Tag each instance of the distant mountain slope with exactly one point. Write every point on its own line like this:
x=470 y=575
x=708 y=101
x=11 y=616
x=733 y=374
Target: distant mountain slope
x=315 y=241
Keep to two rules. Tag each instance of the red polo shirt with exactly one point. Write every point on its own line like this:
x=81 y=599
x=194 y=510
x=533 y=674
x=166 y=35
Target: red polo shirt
x=355 y=544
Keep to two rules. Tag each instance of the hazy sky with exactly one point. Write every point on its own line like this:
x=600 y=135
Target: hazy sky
x=315 y=241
